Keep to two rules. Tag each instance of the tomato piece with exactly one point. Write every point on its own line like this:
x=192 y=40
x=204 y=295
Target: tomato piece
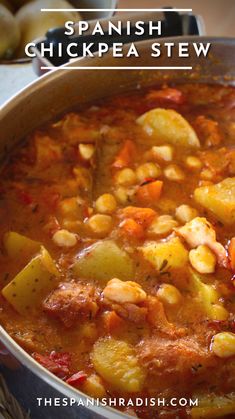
x=50 y=198
x=125 y=155
x=25 y=197
x=77 y=379
x=61 y=358
x=56 y=362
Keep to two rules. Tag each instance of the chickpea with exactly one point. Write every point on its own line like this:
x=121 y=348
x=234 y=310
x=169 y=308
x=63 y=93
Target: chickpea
x=124 y=292
x=71 y=207
x=174 y=172
x=148 y=170
x=121 y=194
x=202 y=259
x=169 y=294
x=163 y=224
x=106 y=204
x=68 y=206
x=64 y=238
x=185 y=213
x=166 y=205
x=126 y=177
x=72 y=225
x=223 y=344
x=219 y=312
x=164 y=152
x=86 y=151
x=124 y=195
x=193 y=163
x=100 y=224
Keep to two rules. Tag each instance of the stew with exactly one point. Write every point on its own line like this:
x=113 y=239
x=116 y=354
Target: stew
x=117 y=260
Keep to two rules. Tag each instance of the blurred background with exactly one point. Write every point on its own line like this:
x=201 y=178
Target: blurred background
x=21 y=22
x=218 y=15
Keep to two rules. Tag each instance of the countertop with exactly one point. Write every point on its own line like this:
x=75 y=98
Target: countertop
x=218 y=18
x=13 y=78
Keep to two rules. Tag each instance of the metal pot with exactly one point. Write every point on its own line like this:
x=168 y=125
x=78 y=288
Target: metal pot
x=50 y=96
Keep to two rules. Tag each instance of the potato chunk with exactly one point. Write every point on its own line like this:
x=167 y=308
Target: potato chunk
x=116 y=362
x=219 y=198
x=167 y=125
x=166 y=254
x=208 y=297
x=29 y=286
x=103 y=261
x=18 y=246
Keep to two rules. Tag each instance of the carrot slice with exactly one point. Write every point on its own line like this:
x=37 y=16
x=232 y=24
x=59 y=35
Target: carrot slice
x=150 y=192
x=131 y=228
x=125 y=155
x=231 y=253
x=143 y=216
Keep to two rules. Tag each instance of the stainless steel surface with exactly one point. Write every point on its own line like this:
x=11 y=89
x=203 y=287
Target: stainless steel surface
x=218 y=15
x=46 y=98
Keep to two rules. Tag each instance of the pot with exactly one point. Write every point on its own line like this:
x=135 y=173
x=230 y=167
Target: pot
x=48 y=97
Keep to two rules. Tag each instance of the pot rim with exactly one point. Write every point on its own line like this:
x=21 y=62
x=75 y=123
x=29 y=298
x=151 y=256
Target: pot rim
x=82 y=62
x=66 y=390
